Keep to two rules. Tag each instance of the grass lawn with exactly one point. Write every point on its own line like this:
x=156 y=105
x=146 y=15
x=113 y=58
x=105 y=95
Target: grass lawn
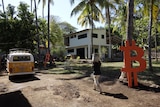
x=111 y=70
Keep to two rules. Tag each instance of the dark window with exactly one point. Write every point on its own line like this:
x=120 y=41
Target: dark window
x=96 y=50
x=66 y=41
x=74 y=36
x=82 y=36
x=70 y=50
x=95 y=35
x=102 y=36
x=21 y=58
x=71 y=36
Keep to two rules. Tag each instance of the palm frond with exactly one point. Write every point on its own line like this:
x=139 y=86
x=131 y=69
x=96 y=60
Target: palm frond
x=78 y=8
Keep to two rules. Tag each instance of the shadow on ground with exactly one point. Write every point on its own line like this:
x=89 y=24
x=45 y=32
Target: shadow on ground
x=23 y=78
x=147 y=88
x=119 y=95
x=144 y=87
x=151 y=76
x=14 y=99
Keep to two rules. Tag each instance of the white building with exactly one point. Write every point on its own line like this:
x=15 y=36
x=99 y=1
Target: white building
x=80 y=43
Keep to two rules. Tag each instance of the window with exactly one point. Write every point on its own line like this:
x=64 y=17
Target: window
x=102 y=36
x=82 y=36
x=95 y=35
x=70 y=50
x=74 y=36
x=21 y=58
x=96 y=50
x=71 y=36
x=66 y=41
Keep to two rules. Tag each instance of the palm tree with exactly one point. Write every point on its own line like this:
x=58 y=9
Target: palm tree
x=121 y=19
x=10 y=11
x=43 y=4
x=49 y=2
x=89 y=13
x=149 y=35
x=129 y=31
x=148 y=10
x=35 y=10
x=107 y=4
x=157 y=10
x=31 y=5
x=153 y=15
x=3 y=6
x=130 y=20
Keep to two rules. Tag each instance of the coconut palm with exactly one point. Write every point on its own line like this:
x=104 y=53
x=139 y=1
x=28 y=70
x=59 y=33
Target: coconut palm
x=153 y=16
x=49 y=2
x=3 y=6
x=10 y=11
x=157 y=26
x=129 y=31
x=43 y=5
x=107 y=5
x=148 y=11
x=35 y=11
x=31 y=5
x=149 y=35
x=130 y=20
x=89 y=12
x=121 y=19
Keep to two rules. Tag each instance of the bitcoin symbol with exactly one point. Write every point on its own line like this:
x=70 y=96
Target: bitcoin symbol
x=128 y=59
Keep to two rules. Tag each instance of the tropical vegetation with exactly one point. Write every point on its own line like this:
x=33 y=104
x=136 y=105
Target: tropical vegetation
x=22 y=29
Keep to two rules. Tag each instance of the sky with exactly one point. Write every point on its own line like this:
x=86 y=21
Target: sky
x=60 y=8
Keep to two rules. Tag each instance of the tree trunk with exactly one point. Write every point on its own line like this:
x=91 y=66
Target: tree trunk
x=35 y=6
x=129 y=33
x=130 y=21
x=156 y=45
x=149 y=36
x=3 y=6
x=109 y=31
x=92 y=25
x=31 y=5
x=43 y=12
x=49 y=26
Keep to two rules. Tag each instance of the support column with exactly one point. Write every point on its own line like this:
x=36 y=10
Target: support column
x=99 y=50
x=85 y=52
x=89 y=51
x=75 y=51
x=109 y=51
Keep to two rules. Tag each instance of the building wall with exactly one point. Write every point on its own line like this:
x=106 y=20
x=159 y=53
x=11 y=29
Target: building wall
x=99 y=40
x=74 y=41
x=80 y=40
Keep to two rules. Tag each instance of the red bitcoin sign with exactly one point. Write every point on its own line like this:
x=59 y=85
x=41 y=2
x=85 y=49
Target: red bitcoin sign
x=128 y=59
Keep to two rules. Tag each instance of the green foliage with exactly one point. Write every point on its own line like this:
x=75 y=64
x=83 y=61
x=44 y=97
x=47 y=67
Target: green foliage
x=67 y=28
x=42 y=31
x=56 y=33
x=89 y=12
x=141 y=31
x=59 y=51
x=18 y=32
x=10 y=11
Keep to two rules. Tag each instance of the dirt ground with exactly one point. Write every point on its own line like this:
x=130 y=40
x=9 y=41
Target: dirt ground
x=70 y=90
